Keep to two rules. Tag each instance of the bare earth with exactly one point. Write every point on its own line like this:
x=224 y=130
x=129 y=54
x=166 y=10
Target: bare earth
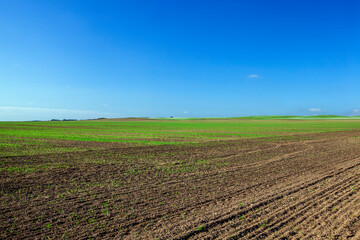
x=304 y=188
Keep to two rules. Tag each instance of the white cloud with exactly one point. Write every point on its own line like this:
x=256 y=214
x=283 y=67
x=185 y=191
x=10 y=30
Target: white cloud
x=315 y=110
x=253 y=76
x=356 y=111
x=32 y=113
x=186 y=112
x=44 y=109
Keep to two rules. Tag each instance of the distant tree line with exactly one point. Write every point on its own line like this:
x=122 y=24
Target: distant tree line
x=63 y=120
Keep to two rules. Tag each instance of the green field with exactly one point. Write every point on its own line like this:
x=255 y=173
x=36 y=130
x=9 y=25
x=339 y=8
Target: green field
x=20 y=138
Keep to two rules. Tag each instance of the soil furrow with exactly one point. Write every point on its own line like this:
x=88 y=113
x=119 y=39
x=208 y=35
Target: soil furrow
x=260 y=204
x=281 y=216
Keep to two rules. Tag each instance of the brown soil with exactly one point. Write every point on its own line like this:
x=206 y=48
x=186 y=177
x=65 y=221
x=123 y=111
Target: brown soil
x=304 y=188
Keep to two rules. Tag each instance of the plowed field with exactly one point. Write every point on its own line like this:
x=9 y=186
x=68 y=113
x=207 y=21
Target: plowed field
x=226 y=179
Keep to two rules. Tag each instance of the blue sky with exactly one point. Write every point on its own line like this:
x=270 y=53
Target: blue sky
x=87 y=59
